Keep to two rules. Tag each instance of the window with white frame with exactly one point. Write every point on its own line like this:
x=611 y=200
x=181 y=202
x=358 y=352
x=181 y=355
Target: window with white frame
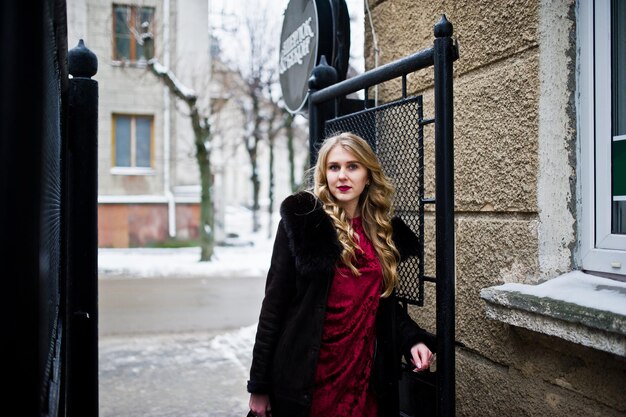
x=618 y=114
x=132 y=141
x=602 y=134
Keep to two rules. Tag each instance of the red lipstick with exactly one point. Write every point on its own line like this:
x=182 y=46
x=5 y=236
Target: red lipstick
x=343 y=188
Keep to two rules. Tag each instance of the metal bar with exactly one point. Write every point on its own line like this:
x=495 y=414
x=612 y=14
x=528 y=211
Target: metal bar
x=411 y=63
x=428 y=200
x=405 y=300
x=403 y=85
x=444 y=218
x=430 y=279
x=316 y=132
x=420 y=194
x=322 y=76
x=425 y=122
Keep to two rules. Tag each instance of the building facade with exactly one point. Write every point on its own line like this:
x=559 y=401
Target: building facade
x=148 y=177
x=540 y=170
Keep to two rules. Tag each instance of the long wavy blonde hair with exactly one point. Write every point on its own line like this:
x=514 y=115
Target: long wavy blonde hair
x=375 y=204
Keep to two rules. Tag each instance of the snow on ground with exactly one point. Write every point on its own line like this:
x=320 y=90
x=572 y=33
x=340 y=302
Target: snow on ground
x=184 y=262
x=176 y=375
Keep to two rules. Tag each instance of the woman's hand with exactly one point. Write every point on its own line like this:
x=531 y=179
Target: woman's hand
x=260 y=405
x=421 y=357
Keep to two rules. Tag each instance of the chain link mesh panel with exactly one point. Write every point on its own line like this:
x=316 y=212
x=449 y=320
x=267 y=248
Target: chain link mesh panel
x=395 y=132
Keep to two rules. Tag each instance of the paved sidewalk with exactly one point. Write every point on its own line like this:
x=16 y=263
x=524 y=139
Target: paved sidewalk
x=176 y=336
x=176 y=375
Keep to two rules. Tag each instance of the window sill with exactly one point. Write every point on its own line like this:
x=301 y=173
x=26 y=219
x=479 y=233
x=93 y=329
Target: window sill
x=132 y=171
x=142 y=63
x=576 y=306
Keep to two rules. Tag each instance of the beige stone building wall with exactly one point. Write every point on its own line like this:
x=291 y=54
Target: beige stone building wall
x=515 y=176
x=158 y=199
x=125 y=89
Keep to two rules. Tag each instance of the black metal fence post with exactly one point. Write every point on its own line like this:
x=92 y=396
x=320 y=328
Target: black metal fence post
x=444 y=217
x=322 y=76
x=82 y=236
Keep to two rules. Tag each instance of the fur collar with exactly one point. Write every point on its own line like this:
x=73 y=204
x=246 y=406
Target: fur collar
x=313 y=239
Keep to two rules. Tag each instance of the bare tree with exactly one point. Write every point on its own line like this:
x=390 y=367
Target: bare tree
x=296 y=130
x=202 y=141
x=281 y=120
x=289 y=132
x=256 y=76
x=253 y=87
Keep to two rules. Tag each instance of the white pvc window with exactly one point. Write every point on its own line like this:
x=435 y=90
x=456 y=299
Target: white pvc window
x=618 y=111
x=602 y=134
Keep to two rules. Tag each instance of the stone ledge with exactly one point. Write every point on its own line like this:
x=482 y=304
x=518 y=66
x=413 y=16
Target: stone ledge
x=577 y=307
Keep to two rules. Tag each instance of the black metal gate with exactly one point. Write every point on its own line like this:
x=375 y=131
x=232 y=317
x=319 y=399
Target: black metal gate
x=396 y=131
x=48 y=229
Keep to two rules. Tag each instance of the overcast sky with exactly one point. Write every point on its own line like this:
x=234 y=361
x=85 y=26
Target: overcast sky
x=228 y=14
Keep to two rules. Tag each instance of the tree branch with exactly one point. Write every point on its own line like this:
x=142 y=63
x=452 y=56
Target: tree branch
x=181 y=91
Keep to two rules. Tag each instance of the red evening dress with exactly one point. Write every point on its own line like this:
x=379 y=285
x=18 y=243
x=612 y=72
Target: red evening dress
x=343 y=370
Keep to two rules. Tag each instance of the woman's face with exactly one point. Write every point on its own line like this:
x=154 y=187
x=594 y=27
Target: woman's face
x=346 y=178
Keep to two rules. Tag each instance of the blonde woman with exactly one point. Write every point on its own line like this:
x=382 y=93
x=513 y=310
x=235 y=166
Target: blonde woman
x=331 y=334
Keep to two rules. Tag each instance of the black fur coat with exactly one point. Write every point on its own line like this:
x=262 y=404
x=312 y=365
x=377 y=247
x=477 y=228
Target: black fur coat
x=306 y=250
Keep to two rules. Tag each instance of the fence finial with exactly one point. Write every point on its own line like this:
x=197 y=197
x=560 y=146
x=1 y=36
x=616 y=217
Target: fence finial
x=322 y=75
x=81 y=61
x=443 y=28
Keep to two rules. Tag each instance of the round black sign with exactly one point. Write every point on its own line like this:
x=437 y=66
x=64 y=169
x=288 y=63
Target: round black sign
x=311 y=28
x=299 y=41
